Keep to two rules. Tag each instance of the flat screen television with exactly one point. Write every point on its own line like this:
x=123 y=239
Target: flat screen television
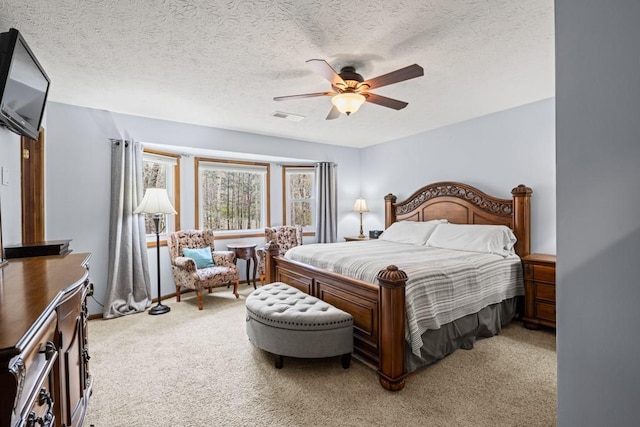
x=24 y=86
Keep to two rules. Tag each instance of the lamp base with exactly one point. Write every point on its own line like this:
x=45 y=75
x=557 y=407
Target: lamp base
x=160 y=309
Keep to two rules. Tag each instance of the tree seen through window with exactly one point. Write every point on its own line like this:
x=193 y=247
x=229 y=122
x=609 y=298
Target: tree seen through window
x=232 y=198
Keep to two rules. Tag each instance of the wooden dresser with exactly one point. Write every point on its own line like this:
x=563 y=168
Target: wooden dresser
x=44 y=371
x=540 y=290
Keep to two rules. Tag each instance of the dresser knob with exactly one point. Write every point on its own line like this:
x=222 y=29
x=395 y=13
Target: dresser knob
x=49 y=350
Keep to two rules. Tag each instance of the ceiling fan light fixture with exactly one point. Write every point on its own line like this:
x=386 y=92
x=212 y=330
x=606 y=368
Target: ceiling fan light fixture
x=348 y=102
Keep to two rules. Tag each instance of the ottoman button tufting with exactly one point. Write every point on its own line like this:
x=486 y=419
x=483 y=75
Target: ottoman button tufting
x=313 y=329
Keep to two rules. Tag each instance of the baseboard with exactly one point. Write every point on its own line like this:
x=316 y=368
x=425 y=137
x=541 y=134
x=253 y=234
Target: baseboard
x=167 y=296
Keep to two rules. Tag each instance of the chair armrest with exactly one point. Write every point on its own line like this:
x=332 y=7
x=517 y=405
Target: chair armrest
x=262 y=254
x=185 y=263
x=223 y=258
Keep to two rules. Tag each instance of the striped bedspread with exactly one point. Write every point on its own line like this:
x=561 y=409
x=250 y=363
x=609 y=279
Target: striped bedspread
x=443 y=284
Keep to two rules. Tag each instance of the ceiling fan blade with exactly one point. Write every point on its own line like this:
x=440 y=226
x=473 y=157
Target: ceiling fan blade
x=333 y=114
x=396 y=76
x=323 y=68
x=385 y=102
x=304 y=95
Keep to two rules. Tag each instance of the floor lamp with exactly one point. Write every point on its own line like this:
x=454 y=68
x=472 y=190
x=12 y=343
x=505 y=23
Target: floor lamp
x=156 y=202
x=361 y=206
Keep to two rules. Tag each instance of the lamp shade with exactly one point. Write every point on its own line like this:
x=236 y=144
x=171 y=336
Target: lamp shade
x=155 y=201
x=348 y=102
x=361 y=205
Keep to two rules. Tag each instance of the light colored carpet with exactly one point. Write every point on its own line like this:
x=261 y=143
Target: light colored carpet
x=197 y=368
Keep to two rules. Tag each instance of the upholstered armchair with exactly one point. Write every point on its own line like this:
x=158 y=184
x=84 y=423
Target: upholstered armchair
x=286 y=236
x=222 y=273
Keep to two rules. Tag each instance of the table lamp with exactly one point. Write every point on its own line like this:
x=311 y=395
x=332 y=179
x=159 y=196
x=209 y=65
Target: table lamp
x=361 y=206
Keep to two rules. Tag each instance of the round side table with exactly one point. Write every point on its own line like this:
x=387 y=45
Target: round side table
x=247 y=252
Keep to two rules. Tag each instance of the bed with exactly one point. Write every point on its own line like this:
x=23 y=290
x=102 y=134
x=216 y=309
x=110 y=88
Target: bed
x=379 y=303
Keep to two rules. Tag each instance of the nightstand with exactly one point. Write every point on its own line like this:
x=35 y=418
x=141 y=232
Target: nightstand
x=540 y=290
x=355 y=238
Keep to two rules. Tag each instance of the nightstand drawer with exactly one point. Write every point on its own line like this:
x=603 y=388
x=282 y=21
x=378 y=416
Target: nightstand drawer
x=546 y=311
x=544 y=273
x=540 y=290
x=545 y=292
x=244 y=253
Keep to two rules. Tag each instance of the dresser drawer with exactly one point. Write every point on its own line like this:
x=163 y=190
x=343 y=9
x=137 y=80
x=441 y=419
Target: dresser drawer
x=545 y=292
x=41 y=411
x=68 y=312
x=32 y=369
x=546 y=311
x=544 y=273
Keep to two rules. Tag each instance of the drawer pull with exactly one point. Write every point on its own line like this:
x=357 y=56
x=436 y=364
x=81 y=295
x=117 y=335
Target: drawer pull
x=44 y=398
x=47 y=420
x=31 y=419
x=49 y=350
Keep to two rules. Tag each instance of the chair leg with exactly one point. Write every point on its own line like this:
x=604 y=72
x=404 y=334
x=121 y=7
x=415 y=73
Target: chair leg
x=177 y=293
x=235 y=288
x=262 y=280
x=278 y=361
x=199 y=294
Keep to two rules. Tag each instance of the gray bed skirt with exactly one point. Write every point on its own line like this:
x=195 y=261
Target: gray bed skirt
x=461 y=333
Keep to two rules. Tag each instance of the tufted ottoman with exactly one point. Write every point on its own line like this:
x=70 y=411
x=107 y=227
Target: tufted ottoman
x=287 y=322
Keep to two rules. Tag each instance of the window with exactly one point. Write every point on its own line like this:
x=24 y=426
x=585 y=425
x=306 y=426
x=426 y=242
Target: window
x=232 y=195
x=162 y=170
x=298 y=200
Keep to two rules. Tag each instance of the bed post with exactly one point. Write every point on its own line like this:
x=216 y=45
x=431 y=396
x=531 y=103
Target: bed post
x=391 y=369
x=389 y=210
x=522 y=218
x=272 y=249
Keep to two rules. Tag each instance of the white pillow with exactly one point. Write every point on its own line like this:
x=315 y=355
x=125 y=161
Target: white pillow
x=412 y=232
x=492 y=239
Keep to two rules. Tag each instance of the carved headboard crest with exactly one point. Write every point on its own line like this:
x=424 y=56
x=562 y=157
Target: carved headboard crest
x=483 y=201
x=480 y=208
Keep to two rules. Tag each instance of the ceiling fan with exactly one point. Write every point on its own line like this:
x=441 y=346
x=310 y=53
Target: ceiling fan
x=350 y=90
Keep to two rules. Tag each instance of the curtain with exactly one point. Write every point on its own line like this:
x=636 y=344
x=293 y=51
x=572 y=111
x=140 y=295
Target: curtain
x=128 y=282
x=327 y=202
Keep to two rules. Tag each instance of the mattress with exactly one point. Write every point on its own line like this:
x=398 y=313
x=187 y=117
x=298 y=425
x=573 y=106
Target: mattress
x=443 y=285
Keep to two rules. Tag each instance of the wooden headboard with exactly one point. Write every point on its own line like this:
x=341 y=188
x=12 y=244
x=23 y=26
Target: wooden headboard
x=464 y=204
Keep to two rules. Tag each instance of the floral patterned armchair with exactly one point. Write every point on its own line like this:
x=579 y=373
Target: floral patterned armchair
x=185 y=273
x=286 y=236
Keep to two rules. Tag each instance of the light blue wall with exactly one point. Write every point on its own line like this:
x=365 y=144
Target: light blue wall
x=10 y=194
x=78 y=172
x=78 y=178
x=494 y=153
x=598 y=151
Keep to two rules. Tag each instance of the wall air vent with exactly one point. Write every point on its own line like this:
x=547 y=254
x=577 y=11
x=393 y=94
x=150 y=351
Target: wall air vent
x=288 y=116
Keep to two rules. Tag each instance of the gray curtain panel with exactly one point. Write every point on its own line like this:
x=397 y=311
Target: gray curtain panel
x=327 y=202
x=128 y=284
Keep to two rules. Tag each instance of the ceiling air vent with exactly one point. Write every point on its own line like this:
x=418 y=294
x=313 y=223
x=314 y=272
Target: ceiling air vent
x=288 y=116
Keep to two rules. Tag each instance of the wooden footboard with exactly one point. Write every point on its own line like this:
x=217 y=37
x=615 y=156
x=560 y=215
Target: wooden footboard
x=378 y=310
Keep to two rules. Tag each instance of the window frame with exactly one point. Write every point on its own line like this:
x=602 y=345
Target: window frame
x=151 y=238
x=230 y=234
x=310 y=230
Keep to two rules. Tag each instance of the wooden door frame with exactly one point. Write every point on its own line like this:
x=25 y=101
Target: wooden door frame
x=32 y=188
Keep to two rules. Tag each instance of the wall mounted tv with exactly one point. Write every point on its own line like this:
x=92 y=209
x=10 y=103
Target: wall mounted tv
x=23 y=86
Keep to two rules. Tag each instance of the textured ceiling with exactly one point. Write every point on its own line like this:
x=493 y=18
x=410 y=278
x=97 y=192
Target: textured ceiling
x=220 y=62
